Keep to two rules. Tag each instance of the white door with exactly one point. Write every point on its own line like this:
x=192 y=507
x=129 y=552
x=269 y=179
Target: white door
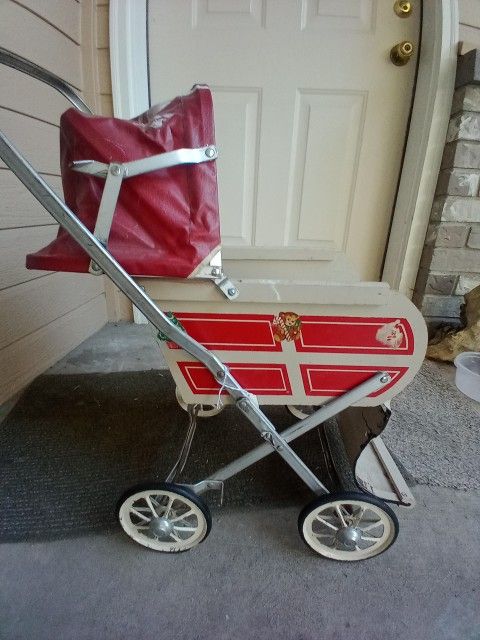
x=310 y=114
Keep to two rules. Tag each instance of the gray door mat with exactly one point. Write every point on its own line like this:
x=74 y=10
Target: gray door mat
x=75 y=443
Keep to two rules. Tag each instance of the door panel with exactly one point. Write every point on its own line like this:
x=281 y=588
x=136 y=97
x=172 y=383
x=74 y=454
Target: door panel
x=332 y=123
x=228 y=13
x=237 y=171
x=310 y=114
x=353 y=15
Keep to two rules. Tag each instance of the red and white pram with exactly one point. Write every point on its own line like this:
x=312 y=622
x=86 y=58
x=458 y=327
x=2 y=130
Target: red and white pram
x=141 y=206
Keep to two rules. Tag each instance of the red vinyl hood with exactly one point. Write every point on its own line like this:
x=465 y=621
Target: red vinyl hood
x=166 y=223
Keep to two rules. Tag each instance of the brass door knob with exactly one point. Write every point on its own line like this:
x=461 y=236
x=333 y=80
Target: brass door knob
x=401 y=53
x=403 y=8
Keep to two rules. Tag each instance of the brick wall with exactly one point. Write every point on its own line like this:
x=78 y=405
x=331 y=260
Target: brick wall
x=450 y=264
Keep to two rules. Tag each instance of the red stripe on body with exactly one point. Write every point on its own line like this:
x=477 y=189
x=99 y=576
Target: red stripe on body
x=261 y=379
x=333 y=380
x=352 y=335
x=230 y=332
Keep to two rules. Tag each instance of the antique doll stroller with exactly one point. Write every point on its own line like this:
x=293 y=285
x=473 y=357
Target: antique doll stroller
x=141 y=207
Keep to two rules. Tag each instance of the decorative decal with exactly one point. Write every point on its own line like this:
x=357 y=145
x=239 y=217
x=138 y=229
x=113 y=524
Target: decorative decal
x=286 y=326
x=390 y=335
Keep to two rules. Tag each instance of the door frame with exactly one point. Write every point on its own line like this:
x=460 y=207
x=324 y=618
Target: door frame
x=425 y=138
x=129 y=57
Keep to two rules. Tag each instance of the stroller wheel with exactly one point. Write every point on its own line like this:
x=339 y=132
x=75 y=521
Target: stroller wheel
x=164 y=517
x=205 y=411
x=348 y=526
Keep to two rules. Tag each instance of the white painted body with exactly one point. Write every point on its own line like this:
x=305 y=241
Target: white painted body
x=355 y=307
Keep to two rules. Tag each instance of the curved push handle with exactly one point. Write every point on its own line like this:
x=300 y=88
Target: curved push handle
x=15 y=61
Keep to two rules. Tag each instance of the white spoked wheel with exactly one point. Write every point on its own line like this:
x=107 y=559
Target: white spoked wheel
x=165 y=517
x=205 y=410
x=348 y=526
x=301 y=411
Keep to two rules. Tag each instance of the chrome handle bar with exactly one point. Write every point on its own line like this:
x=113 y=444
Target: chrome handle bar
x=15 y=61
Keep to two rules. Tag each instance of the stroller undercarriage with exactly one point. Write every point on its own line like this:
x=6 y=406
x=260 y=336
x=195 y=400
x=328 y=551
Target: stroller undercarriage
x=173 y=517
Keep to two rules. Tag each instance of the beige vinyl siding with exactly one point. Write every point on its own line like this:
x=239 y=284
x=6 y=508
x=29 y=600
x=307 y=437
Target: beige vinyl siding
x=99 y=51
x=53 y=12
x=119 y=307
x=469 y=32
x=97 y=93
x=14 y=244
x=17 y=357
x=32 y=37
x=103 y=56
x=16 y=198
x=43 y=315
x=37 y=140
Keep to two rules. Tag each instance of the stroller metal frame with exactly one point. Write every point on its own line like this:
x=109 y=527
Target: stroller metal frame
x=96 y=249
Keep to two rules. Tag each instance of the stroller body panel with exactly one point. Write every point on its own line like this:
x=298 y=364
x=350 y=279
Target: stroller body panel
x=288 y=351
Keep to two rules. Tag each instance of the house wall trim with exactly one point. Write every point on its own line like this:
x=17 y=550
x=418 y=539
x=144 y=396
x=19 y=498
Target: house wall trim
x=425 y=143
x=129 y=57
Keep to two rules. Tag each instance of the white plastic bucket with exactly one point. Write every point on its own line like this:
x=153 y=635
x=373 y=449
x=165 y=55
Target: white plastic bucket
x=467 y=377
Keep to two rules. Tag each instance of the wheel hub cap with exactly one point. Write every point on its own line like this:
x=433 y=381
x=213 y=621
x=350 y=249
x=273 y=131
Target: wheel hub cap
x=160 y=527
x=349 y=536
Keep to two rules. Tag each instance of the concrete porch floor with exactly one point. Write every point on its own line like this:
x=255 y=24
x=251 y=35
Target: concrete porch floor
x=253 y=577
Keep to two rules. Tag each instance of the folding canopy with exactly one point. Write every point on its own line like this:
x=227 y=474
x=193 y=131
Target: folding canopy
x=166 y=222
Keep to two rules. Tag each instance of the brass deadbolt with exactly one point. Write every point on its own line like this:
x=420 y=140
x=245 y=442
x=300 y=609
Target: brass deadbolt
x=402 y=8
x=401 y=53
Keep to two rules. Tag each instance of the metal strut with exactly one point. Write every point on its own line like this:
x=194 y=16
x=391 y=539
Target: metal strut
x=179 y=465
x=280 y=441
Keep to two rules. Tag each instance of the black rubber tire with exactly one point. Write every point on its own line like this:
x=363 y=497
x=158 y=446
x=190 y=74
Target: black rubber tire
x=347 y=495
x=175 y=488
